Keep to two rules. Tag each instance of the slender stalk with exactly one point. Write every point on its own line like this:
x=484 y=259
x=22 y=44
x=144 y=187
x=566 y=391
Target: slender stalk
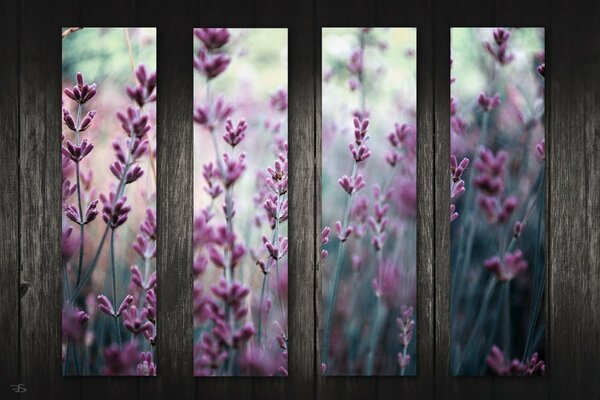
x=114 y=282
x=478 y=322
x=260 y=308
x=380 y=316
x=540 y=282
x=336 y=276
x=67 y=358
x=120 y=190
x=77 y=173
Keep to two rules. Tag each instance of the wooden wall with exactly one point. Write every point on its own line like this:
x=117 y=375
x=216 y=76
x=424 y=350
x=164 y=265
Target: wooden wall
x=30 y=267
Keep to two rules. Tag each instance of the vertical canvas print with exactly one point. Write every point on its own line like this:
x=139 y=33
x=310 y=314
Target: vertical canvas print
x=240 y=202
x=369 y=201
x=497 y=157
x=109 y=201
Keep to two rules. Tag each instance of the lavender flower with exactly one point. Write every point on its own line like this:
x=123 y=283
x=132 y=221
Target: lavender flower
x=507 y=269
x=82 y=92
x=115 y=211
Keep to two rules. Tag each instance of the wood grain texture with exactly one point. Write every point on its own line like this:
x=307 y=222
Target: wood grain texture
x=39 y=197
x=10 y=204
x=574 y=150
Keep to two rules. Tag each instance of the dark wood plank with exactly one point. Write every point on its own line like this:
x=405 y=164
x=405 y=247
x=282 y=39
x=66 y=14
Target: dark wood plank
x=302 y=199
x=449 y=14
x=10 y=206
x=514 y=13
x=174 y=199
x=39 y=195
x=390 y=14
x=574 y=179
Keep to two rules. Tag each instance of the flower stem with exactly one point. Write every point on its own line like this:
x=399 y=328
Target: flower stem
x=336 y=277
x=120 y=190
x=260 y=308
x=478 y=322
x=114 y=282
x=380 y=317
x=77 y=173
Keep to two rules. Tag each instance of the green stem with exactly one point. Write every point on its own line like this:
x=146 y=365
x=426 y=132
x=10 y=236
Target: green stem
x=540 y=282
x=114 y=283
x=120 y=190
x=478 y=322
x=336 y=277
x=380 y=316
x=260 y=308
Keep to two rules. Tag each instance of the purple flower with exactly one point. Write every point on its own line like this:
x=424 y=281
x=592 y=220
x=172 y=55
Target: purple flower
x=146 y=367
x=360 y=130
x=115 y=211
x=106 y=306
x=133 y=122
x=210 y=173
x=491 y=168
x=279 y=100
x=541 y=69
x=352 y=185
x=453 y=213
x=356 y=62
x=209 y=117
x=134 y=322
x=500 y=365
x=212 y=38
x=540 y=149
x=91 y=212
x=133 y=174
x=233 y=169
x=73 y=320
x=499 y=48
x=82 y=92
x=361 y=153
x=211 y=65
x=120 y=360
x=406 y=324
x=77 y=152
x=508 y=268
x=488 y=103
x=278 y=180
x=143 y=92
x=234 y=135
x=276 y=250
x=497 y=210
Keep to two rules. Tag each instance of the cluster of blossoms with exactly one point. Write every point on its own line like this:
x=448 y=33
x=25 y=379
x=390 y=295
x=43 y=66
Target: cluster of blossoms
x=457 y=184
x=502 y=366
x=228 y=343
x=138 y=307
x=406 y=324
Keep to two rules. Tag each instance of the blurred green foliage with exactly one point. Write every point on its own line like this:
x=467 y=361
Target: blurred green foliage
x=103 y=53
